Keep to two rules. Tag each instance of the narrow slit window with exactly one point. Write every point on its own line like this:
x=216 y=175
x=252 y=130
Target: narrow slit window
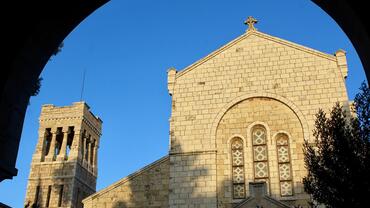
x=60 y=199
x=237 y=157
x=48 y=196
x=37 y=194
x=83 y=138
x=87 y=147
x=78 y=198
x=92 y=152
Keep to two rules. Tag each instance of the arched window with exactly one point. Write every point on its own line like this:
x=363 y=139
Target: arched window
x=260 y=159
x=237 y=156
x=284 y=164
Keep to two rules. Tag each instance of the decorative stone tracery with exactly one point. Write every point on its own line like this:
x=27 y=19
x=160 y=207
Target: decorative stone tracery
x=237 y=156
x=284 y=165
x=260 y=157
x=259 y=152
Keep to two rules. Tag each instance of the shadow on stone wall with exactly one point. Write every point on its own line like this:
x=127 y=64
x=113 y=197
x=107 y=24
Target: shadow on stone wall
x=65 y=200
x=145 y=194
x=194 y=187
x=58 y=170
x=195 y=184
x=34 y=203
x=119 y=204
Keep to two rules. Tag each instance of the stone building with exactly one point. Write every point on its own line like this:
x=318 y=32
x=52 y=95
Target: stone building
x=64 y=165
x=239 y=119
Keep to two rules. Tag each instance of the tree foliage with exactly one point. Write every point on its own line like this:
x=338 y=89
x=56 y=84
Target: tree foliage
x=338 y=163
x=58 y=49
x=35 y=89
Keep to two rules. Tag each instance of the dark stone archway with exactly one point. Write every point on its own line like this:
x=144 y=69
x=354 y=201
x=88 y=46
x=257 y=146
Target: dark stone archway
x=33 y=30
x=352 y=17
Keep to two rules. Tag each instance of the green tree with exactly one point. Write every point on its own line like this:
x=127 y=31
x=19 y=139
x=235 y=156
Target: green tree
x=338 y=163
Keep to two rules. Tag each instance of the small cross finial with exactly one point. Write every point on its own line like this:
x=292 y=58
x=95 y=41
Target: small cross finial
x=250 y=22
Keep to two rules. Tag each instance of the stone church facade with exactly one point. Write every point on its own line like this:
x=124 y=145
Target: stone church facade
x=239 y=119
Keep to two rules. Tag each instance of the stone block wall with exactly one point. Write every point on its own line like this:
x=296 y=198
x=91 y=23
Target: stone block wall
x=253 y=65
x=147 y=187
x=193 y=179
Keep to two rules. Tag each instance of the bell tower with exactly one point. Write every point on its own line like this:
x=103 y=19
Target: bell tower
x=64 y=164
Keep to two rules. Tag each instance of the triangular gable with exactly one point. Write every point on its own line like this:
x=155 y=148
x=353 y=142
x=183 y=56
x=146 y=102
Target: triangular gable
x=261 y=35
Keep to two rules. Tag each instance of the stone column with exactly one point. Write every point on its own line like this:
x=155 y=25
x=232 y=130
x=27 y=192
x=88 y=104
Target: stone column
x=63 y=149
x=42 y=141
x=41 y=147
x=75 y=153
x=81 y=149
x=50 y=156
x=84 y=149
x=93 y=153
x=89 y=154
x=95 y=157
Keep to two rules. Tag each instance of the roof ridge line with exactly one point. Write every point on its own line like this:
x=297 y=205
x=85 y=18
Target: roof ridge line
x=127 y=178
x=261 y=35
x=296 y=45
x=213 y=53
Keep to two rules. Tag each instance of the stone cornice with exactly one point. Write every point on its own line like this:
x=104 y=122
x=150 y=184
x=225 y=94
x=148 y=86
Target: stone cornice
x=212 y=151
x=86 y=121
x=61 y=118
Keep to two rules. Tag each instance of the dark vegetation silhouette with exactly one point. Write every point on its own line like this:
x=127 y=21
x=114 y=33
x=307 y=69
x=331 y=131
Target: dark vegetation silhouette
x=338 y=163
x=35 y=88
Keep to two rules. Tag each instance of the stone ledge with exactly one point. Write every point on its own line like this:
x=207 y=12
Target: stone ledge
x=194 y=152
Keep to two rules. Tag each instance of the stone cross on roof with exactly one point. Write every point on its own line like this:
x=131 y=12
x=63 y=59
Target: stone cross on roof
x=250 y=22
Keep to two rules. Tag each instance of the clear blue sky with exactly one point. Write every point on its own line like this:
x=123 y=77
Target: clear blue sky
x=126 y=48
